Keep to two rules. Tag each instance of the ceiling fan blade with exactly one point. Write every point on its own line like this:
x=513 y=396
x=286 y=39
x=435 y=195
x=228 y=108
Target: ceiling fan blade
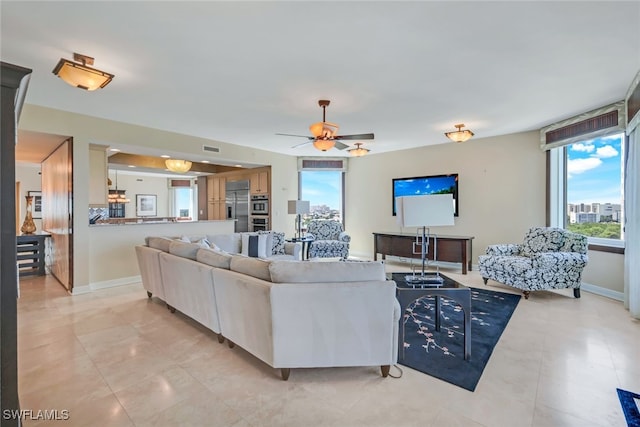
x=340 y=146
x=361 y=136
x=301 y=144
x=301 y=136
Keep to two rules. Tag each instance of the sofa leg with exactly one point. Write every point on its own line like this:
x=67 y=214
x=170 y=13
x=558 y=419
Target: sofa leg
x=285 y=373
x=171 y=309
x=526 y=294
x=485 y=280
x=576 y=292
x=220 y=338
x=385 y=370
x=230 y=343
x=149 y=294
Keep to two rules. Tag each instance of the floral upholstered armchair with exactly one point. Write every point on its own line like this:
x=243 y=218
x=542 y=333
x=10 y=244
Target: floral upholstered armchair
x=549 y=258
x=329 y=239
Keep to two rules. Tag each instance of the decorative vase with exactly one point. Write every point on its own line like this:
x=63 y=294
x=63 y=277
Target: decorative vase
x=28 y=227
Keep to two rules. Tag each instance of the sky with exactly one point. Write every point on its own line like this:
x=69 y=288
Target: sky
x=322 y=188
x=594 y=170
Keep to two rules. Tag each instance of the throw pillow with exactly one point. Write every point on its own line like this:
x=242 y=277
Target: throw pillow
x=277 y=242
x=254 y=245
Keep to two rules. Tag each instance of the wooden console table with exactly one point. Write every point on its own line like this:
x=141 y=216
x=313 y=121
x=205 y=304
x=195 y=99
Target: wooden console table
x=450 y=248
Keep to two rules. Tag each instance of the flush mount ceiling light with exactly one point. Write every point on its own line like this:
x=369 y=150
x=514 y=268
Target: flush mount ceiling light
x=459 y=135
x=175 y=165
x=358 y=151
x=79 y=74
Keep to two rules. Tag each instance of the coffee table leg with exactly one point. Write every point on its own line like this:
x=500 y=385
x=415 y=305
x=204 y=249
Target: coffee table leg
x=437 y=298
x=466 y=307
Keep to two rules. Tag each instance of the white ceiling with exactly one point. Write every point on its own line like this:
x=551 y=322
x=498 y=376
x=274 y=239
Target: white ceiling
x=239 y=72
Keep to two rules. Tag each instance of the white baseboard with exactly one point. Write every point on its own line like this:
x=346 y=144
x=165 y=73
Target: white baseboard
x=587 y=287
x=95 y=286
x=599 y=290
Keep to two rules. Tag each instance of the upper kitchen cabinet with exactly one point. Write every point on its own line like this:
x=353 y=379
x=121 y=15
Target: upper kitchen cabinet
x=98 y=186
x=216 y=194
x=259 y=182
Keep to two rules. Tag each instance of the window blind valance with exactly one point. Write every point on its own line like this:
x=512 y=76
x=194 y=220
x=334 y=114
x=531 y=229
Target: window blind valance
x=592 y=124
x=633 y=104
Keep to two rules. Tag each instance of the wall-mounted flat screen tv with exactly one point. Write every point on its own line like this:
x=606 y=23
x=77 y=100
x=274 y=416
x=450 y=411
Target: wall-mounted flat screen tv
x=424 y=185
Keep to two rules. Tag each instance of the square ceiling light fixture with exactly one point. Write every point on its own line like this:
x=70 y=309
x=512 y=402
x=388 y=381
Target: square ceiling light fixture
x=459 y=135
x=79 y=74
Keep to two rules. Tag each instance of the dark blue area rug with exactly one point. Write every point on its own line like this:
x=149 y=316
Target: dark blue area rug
x=629 y=402
x=440 y=354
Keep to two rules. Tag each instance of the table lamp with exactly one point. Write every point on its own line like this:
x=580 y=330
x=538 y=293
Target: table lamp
x=298 y=207
x=424 y=212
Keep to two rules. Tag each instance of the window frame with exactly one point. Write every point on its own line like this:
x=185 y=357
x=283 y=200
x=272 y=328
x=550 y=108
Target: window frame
x=342 y=179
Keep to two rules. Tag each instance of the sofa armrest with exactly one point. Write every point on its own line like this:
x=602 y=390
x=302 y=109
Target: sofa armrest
x=504 y=249
x=344 y=237
x=293 y=249
x=559 y=260
x=334 y=324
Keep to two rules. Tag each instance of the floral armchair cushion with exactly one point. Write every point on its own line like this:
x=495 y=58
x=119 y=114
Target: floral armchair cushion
x=329 y=239
x=549 y=258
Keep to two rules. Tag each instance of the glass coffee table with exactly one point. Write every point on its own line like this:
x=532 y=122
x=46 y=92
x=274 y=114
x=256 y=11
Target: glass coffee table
x=408 y=292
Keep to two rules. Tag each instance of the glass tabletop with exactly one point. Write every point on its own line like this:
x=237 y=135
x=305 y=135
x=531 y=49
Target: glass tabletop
x=401 y=281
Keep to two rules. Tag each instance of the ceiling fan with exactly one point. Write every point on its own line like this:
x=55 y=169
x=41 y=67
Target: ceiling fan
x=325 y=134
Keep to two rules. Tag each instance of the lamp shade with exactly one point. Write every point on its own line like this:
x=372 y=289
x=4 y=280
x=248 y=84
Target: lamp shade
x=429 y=211
x=176 y=165
x=298 y=207
x=80 y=75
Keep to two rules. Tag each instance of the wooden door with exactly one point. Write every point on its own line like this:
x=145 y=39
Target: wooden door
x=57 y=214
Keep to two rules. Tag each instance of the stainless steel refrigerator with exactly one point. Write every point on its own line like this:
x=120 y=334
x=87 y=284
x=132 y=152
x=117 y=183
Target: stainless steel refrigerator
x=237 y=204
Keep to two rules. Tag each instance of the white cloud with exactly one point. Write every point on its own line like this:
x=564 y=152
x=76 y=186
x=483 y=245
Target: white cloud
x=578 y=166
x=585 y=148
x=606 y=151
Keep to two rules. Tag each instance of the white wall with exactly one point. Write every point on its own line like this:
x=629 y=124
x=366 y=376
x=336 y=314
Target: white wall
x=138 y=184
x=86 y=130
x=502 y=185
x=28 y=174
x=502 y=192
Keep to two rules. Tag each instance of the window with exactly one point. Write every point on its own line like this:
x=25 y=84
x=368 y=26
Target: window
x=586 y=175
x=595 y=187
x=182 y=198
x=324 y=191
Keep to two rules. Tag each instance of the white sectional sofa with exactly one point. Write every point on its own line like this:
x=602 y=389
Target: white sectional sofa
x=289 y=314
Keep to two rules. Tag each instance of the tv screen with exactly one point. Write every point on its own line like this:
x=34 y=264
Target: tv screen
x=424 y=185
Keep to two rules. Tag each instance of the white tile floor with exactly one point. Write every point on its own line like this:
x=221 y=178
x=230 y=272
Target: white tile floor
x=115 y=358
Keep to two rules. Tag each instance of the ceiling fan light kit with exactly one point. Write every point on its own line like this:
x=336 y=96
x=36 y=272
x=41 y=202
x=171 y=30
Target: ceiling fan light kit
x=459 y=135
x=176 y=165
x=325 y=134
x=79 y=74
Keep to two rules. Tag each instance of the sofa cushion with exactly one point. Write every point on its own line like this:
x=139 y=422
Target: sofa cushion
x=254 y=267
x=184 y=250
x=231 y=243
x=255 y=245
x=329 y=272
x=214 y=258
x=160 y=243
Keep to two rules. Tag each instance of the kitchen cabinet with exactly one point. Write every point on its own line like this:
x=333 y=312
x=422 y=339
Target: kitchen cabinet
x=259 y=182
x=216 y=194
x=98 y=187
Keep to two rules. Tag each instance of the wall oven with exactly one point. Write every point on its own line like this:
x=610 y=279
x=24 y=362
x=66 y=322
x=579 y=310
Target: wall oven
x=259 y=223
x=260 y=204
